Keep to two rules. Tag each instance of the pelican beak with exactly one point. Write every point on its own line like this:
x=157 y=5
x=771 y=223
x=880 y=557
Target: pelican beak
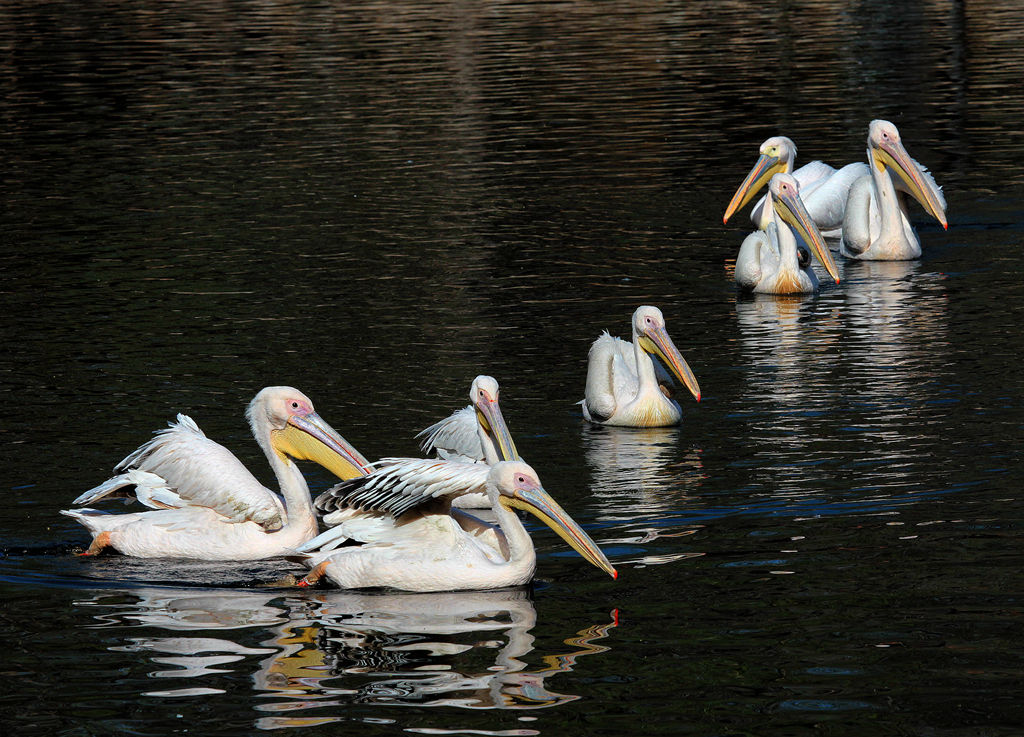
x=309 y=438
x=791 y=208
x=657 y=341
x=488 y=414
x=765 y=168
x=920 y=186
x=539 y=503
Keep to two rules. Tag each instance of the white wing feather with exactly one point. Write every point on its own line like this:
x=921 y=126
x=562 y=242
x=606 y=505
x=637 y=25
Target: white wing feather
x=454 y=438
x=192 y=470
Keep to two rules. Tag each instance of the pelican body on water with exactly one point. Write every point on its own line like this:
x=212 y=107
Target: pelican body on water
x=769 y=261
x=204 y=504
x=395 y=528
x=626 y=386
x=876 y=226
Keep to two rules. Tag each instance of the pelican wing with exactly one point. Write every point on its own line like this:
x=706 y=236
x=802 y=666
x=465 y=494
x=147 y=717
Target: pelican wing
x=397 y=485
x=758 y=256
x=862 y=222
x=194 y=471
x=454 y=438
x=825 y=198
x=611 y=375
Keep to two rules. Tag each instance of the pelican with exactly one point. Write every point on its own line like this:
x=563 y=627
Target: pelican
x=206 y=504
x=625 y=386
x=476 y=433
x=769 y=261
x=823 y=188
x=423 y=547
x=876 y=227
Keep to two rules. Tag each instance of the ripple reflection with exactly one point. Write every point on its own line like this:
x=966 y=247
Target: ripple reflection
x=473 y=650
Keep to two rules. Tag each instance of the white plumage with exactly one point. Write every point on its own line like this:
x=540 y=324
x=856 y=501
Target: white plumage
x=769 y=261
x=626 y=386
x=823 y=188
x=473 y=434
x=205 y=503
x=429 y=546
x=876 y=226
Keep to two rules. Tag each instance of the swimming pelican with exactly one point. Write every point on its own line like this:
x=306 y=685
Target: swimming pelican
x=426 y=548
x=625 y=386
x=206 y=504
x=822 y=187
x=476 y=433
x=769 y=261
x=876 y=227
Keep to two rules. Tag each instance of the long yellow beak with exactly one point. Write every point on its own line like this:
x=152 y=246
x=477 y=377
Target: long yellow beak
x=488 y=414
x=539 y=503
x=921 y=188
x=765 y=168
x=658 y=342
x=309 y=438
x=791 y=208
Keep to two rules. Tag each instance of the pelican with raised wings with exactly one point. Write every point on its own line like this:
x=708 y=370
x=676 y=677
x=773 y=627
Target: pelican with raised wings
x=204 y=503
x=395 y=528
x=476 y=433
x=769 y=261
x=823 y=188
x=626 y=386
x=876 y=226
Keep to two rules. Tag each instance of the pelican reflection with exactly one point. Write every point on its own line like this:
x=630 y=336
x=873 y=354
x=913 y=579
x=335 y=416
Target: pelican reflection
x=641 y=481
x=309 y=654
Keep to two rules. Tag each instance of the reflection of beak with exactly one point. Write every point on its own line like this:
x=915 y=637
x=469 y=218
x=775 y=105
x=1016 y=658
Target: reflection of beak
x=490 y=417
x=309 y=438
x=765 y=168
x=656 y=341
x=539 y=503
x=921 y=188
x=791 y=208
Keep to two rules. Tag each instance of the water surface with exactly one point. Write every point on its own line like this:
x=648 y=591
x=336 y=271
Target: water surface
x=375 y=202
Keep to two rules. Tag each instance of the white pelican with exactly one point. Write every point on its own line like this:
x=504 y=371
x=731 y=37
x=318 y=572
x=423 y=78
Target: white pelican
x=474 y=434
x=205 y=503
x=876 y=227
x=769 y=261
x=625 y=386
x=401 y=514
x=823 y=188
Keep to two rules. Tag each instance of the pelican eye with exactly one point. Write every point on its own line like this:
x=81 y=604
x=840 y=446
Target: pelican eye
x=295 y=405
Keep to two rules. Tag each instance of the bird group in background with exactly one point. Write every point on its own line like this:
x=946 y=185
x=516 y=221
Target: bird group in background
x=448 y=522
x=861 y=205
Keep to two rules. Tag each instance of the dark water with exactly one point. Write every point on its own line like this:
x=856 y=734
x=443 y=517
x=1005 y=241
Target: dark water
x=375 y=202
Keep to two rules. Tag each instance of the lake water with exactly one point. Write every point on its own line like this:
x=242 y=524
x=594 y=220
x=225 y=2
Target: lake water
x=376 y=201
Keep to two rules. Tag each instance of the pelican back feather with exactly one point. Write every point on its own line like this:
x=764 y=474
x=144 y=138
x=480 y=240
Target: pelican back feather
x=397 y=485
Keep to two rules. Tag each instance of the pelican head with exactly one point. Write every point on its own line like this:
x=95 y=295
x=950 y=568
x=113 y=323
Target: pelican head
x=777 y=156
x=788 y=206
x=885 y=150
x=284 y=418
x=483 y=394
x=649 y=332
x=518 y=487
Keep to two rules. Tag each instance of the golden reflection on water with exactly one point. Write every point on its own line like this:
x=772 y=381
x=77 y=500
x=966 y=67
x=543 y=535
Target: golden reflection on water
x=472 y=650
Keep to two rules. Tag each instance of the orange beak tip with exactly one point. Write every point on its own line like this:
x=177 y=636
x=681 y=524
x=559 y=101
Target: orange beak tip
x=615 y=575
x=725 y=220
x=302 y=583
